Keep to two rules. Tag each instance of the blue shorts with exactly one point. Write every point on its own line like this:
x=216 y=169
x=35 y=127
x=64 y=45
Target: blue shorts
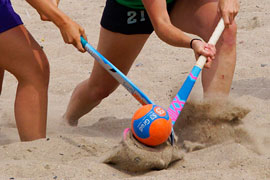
x=8 y=18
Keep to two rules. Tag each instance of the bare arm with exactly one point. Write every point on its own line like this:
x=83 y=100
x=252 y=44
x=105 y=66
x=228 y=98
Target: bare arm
x=70 y=30
x=166 y=31
x=157 y=11
x=42 y=16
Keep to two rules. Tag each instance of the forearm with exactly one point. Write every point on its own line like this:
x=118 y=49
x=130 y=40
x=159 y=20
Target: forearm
x=49 y=10
x=157 y=11
x=172 y=35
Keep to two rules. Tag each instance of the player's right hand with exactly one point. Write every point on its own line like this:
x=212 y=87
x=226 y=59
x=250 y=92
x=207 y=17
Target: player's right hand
x=228 y=9
x=71 y=33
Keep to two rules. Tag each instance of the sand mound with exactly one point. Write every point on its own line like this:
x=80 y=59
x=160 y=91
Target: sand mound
x=133 y=156
x=200 y=125
x=207 y=124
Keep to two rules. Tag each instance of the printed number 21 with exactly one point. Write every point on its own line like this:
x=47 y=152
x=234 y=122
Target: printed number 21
x=131 y=17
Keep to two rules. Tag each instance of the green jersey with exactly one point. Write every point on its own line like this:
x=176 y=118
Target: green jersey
x=135 y=4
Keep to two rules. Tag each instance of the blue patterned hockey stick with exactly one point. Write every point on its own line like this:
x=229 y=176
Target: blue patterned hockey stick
x=117 y=74
x=180 y=99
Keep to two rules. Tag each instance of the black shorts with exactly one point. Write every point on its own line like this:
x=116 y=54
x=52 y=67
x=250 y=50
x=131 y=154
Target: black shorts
x=125 y=20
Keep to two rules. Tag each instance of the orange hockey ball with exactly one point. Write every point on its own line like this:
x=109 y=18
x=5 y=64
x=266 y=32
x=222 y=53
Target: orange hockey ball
x=151 y=125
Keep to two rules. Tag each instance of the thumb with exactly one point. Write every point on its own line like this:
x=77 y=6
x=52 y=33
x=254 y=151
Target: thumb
x=79 y=46
x=84 y=36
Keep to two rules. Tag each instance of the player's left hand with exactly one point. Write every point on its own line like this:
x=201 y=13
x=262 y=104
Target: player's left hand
x=205 y=49
x=228 y=9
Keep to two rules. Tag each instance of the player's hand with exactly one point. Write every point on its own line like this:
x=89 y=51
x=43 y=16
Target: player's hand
x=228 y=9
x=71 y=33
x=205 y=49
x=42 y=16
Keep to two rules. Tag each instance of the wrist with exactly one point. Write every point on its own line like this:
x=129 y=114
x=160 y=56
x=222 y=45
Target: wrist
x=191 y=42
x=61 y=21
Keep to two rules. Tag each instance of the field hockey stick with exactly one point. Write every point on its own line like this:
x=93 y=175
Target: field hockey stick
x=180 y=99
x=116 y=74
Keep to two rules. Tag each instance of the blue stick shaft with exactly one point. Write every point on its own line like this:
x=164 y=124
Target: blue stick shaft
x=117 y=74
x=180 y=99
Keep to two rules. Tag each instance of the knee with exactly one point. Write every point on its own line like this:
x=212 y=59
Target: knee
x=38 y=74
x=97 y=89
x=42 y=73
x=93 y=91
x=100 y=92
x=229 y=35
x=45 y=70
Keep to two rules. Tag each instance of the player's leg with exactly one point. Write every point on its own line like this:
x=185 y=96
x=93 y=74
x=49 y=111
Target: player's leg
x=2 y=73
x=121 y=50
x=200 y=17
x=123 y=34
x=23 y=57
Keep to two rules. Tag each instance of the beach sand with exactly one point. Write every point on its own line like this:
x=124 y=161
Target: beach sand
x=235 y=145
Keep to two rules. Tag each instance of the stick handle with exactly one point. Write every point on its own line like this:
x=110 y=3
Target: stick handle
x=213 y=40
x=181 y=97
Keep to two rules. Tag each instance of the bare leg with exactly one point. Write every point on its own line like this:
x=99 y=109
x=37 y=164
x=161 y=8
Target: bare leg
x=23 y=57
x=200 y=17
x=2 y=72
x=121 y=50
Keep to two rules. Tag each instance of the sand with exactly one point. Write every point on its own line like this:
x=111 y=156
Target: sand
x=231 y=144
